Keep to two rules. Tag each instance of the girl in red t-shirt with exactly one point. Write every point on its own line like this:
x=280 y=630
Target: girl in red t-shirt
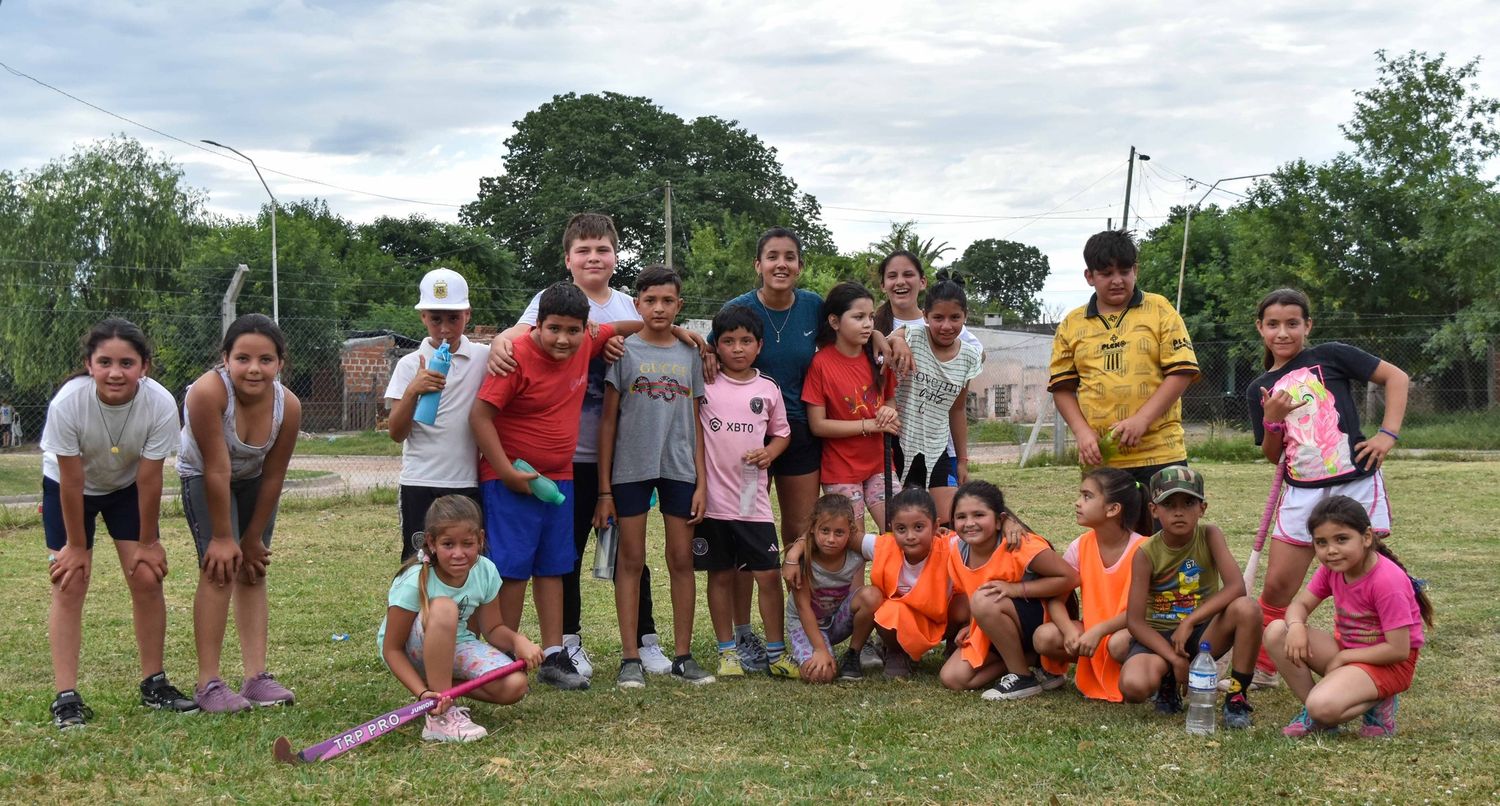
x=847 y=395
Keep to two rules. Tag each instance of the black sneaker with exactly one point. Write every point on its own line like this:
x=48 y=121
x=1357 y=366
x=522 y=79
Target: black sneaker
x=1168 y=701
x=559 y=672
x=68 y=710
x=850 y=667
x=161 y=695
x=1013 y=687
x=1237 y=711
x=687 y=670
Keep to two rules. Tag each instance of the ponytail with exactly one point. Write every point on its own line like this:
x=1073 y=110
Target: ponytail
x=1418 y=586
x=1119 y=487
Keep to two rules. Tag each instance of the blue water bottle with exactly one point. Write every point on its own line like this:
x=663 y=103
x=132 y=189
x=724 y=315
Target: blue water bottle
x=427 y=403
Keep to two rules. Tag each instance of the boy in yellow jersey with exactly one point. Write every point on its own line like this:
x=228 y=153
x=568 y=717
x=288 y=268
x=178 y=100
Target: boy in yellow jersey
x=1120 y=365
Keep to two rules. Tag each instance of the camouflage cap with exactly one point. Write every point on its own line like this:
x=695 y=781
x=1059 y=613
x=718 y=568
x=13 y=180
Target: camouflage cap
x=1176 y=479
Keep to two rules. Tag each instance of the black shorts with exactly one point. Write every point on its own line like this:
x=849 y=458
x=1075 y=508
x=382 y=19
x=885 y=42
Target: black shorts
x=1144 y=474
x=243 y=495
x=121 y=510
x=920 y=472
x=412 y=505
x=1030 y=613
x=735 y=545
x=1138 y=648
x=674 y=497
x=803 y=454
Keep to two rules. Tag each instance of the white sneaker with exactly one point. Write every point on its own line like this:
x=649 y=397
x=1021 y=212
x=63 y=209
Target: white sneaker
x=453 y=725
x=573 y=645
x=653 y=660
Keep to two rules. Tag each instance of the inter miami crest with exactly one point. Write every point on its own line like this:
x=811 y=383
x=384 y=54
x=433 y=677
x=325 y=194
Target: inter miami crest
x=757 y=405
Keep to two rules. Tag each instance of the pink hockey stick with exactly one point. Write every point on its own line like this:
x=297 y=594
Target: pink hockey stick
x=1253 y=563
x=386 y=722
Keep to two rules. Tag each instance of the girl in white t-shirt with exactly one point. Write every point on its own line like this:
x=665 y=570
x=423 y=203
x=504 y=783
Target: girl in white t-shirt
x=442 y=621
x=108 y=431
x=241 y=425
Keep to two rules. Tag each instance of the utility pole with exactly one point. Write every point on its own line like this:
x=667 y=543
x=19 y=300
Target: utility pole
x=1129 y=182
x=668 y=260
x=231 y=295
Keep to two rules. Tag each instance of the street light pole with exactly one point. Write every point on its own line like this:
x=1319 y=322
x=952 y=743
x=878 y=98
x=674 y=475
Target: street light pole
x=275 y=285
x=1188 y=223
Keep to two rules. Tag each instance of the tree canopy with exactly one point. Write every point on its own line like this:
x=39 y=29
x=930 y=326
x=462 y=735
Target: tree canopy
x=614 y=154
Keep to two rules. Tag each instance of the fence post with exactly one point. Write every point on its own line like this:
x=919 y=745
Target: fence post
x=231 y=294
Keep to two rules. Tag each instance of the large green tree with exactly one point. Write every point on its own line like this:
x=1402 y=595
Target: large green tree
x=614 y=154
x=83 y=237
x=1005 y=274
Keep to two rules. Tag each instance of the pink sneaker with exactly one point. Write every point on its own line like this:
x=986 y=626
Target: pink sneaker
x=214 y=697
x=263 y=689
x=453 y=725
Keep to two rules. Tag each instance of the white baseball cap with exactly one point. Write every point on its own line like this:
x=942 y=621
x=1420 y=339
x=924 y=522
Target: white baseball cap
x=444 y=290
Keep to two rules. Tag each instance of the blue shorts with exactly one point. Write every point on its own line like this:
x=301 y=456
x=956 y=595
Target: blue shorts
x=634 y=498
x=121 y=510
x=525 y=536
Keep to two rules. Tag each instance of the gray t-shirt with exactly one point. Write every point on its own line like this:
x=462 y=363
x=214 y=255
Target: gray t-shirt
x=78 y=424
x=657 y=431
x=829 y=589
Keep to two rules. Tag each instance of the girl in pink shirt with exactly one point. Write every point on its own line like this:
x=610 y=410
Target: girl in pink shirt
x=1379 y=609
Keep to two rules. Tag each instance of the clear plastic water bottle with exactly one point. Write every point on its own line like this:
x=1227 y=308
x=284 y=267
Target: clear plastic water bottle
x=1203 y=692
x=606 y=547
x=427 y=402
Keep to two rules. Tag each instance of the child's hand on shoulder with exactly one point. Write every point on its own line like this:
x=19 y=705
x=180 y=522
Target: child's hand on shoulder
x=614 y=349
x=502 y=360
x=1013 y=533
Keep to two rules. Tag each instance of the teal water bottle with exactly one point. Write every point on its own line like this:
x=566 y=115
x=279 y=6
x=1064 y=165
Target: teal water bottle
x=427 y=403
x=541 y=486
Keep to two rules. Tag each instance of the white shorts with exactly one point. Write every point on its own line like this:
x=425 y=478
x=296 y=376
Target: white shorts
x=1290 y=525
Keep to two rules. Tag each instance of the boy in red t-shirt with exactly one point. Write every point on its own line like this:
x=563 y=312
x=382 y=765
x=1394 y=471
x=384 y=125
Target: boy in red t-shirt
x=533 y=414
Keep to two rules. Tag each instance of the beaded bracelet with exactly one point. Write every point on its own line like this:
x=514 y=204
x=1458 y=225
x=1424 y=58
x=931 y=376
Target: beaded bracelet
x=1273 y=428
x=1395 y=437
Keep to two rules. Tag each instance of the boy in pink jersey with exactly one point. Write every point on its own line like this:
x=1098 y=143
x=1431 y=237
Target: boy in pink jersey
x=745 y=429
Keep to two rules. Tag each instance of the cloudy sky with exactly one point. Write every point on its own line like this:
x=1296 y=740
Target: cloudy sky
x=967 y=117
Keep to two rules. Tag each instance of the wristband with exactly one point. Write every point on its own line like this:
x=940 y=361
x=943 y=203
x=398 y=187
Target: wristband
x=788 y=562
x=1274 y=428
x=606 y=495
x=1395 y=437
x=862 y=431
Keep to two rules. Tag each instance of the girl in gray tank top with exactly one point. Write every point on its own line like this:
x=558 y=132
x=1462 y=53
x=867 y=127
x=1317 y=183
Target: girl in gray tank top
x=240 y=428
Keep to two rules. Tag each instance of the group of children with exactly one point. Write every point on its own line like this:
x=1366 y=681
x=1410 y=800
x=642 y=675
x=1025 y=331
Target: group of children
x=621 y=409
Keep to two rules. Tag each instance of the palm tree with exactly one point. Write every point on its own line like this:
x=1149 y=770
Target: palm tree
x=903 y=236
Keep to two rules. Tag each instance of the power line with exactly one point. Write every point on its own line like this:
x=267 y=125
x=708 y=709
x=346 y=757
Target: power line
x=983 y=216
x=1086 y=189
x=13 y=71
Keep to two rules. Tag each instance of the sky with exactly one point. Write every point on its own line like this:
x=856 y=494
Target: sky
x=970 y=118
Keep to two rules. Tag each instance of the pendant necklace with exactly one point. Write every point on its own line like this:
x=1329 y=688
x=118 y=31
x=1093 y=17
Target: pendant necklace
x=772 y=322
x=114 y=439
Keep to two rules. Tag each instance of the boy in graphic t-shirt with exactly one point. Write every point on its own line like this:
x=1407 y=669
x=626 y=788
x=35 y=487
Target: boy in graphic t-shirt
x=650 y=442
x=744 y=430
x=1185 y=591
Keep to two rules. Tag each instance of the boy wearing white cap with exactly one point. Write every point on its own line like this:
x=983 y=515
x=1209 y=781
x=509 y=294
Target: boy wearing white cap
x=439 y=459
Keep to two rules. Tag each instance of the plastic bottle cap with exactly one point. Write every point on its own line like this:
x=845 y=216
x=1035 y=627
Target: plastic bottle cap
x=1203 y=647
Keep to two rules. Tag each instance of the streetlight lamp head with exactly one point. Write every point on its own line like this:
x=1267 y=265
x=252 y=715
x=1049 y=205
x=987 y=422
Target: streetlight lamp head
x=1143 y=157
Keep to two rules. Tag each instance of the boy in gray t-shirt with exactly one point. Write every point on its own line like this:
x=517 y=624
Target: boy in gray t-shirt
x=650 y=441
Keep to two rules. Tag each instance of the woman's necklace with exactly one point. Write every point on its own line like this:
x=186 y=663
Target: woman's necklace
x=114 y=439
x=772 y=322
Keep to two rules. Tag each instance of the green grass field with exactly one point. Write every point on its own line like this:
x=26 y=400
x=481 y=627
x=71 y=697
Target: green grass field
x=21 y=474
x=753 y=740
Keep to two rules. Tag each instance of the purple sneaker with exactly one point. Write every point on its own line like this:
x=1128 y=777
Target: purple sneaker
x=263 y=689
x=217 y=698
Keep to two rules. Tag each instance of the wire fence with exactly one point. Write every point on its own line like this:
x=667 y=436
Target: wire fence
x=341 y=377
